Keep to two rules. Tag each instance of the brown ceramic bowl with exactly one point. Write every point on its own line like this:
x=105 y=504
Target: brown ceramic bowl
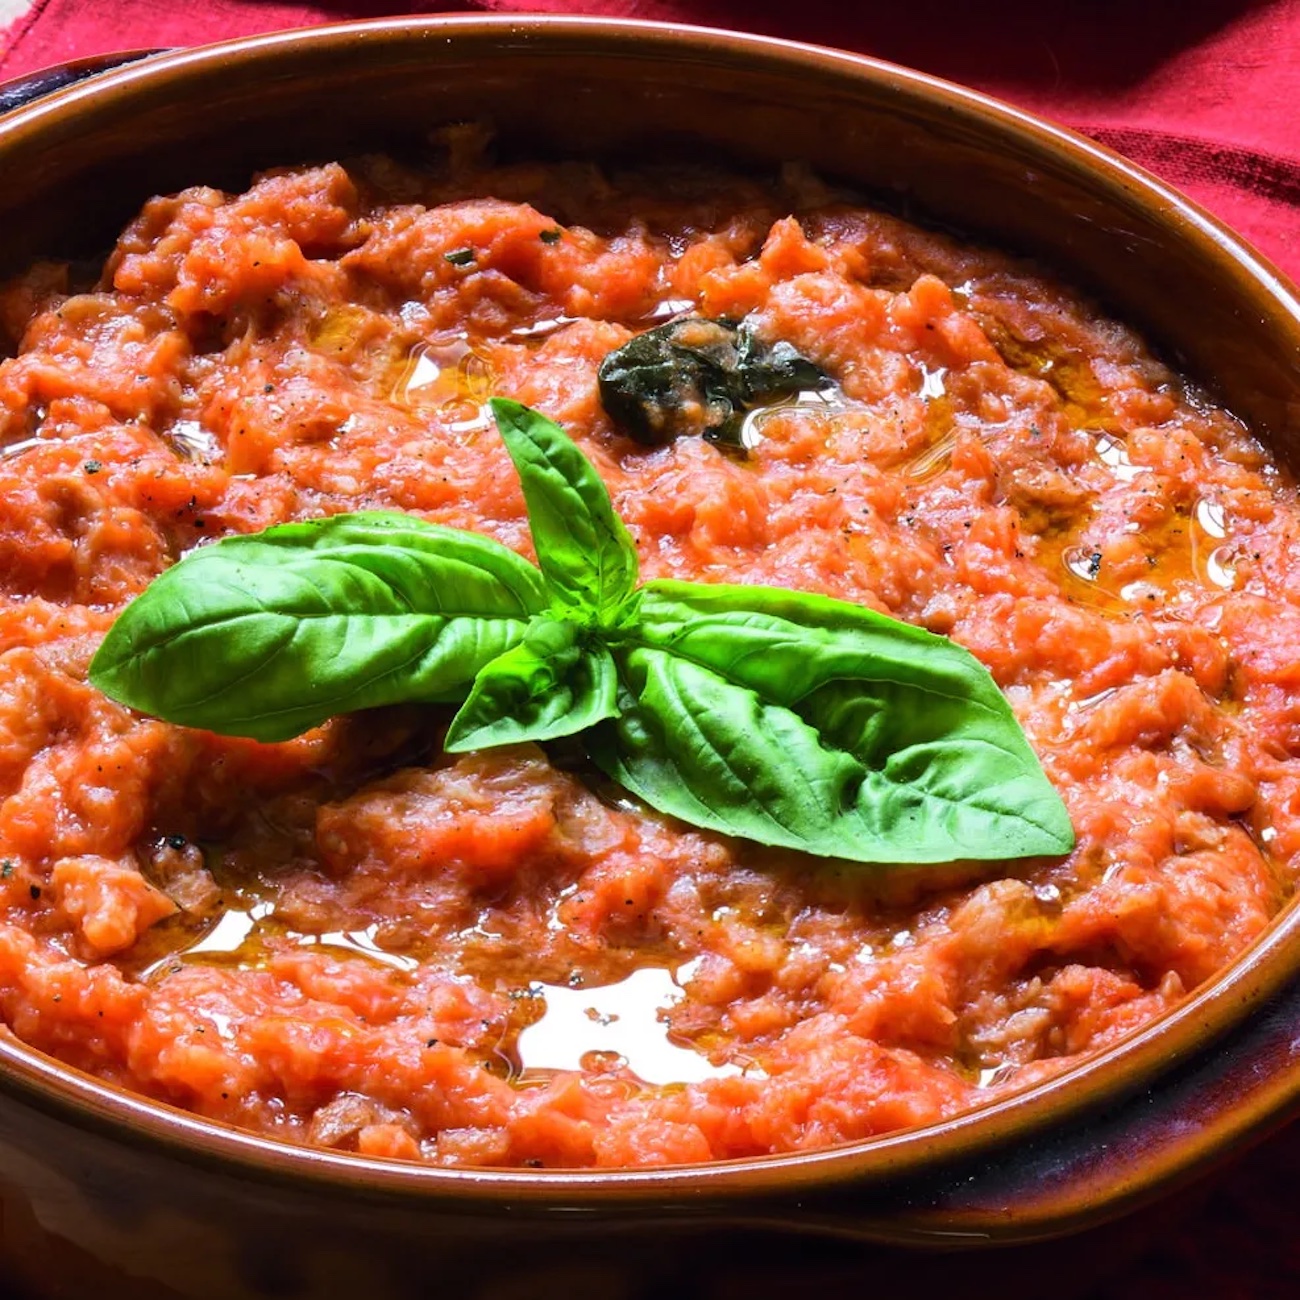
x=100 y=1189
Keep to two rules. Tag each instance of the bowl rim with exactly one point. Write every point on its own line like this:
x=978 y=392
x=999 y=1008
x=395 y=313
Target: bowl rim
x=1178 y=1035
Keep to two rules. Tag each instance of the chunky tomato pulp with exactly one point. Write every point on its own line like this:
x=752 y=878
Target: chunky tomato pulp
x=353 y=941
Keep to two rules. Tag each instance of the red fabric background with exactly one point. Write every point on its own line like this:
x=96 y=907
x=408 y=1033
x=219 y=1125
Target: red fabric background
x=1203 y=92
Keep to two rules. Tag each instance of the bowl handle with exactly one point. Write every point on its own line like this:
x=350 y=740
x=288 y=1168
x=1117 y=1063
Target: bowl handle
x=21 y=91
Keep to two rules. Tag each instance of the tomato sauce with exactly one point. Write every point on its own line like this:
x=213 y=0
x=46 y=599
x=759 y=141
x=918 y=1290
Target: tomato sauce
x=353 y=941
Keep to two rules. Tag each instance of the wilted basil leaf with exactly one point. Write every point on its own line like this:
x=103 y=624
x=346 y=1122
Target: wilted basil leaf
x=696 y=375
x=772 y=370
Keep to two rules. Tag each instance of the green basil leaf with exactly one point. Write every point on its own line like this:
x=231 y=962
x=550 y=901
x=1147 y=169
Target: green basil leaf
x=583 y=548
x=809 y=723
x=790 y=719
x=546 y=687
x=270 y=634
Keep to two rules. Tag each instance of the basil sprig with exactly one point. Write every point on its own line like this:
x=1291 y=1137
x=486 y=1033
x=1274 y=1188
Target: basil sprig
x=787 y=718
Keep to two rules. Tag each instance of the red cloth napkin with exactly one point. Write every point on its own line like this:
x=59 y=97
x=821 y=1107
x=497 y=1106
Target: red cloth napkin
x=1203 y=92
